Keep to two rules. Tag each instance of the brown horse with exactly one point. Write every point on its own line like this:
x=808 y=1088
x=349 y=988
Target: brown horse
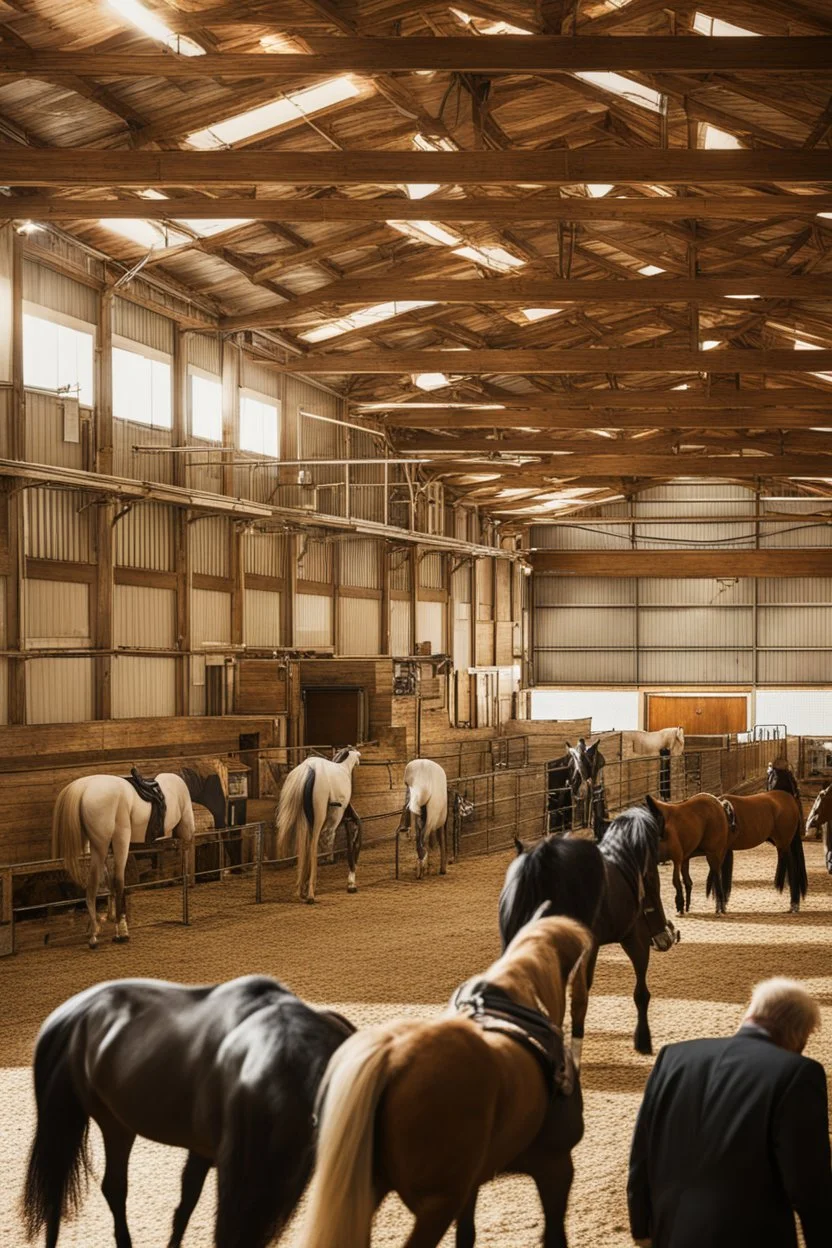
x=699 y=825
x=432 y=1110
x=820 y=815
x=777 y=817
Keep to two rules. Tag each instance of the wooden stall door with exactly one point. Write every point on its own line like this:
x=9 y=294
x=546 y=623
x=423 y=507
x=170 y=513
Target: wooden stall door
x=697 y=715
x=334 y=717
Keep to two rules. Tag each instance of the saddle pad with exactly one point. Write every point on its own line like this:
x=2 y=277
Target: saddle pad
x=494 y=1010
x=149 y=791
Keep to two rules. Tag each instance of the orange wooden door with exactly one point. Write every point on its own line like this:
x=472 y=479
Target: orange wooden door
x=697 y=715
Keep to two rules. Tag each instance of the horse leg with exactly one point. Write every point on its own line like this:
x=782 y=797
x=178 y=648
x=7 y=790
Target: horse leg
x=353 y=834
x=581 y=986
x=431 y=1224
x=688 y=882
x=193 y=1178
x=466 y=1231
x=637 y=948
x=121 y=848
x=442 y=837
x=421 y=851
x=553 y=1185
x=715 y=863
x=118 y=1143
x=677 y=887
x=97 y=865
x=312 y=877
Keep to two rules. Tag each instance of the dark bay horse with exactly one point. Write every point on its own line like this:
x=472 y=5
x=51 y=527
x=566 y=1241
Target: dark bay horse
x=630 y=911
x=699 y=825
x=432 y=1110
x=574 y=787
x=229 y=1073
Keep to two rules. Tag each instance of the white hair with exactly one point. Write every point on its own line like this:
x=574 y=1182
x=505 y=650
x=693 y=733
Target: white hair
x=786 y=1010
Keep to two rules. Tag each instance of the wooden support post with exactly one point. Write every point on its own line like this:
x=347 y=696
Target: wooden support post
x=384 y=583
x=413 y=559
x=104 y=388
x=230 y=408
x=179 y=432
x=16 y=501
x=183 y=611
x=103 y=620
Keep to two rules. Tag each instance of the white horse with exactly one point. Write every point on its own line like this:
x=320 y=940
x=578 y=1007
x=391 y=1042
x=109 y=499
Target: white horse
x=426 y=809
x=106 y=810
x=314 y=801
x=672 y=739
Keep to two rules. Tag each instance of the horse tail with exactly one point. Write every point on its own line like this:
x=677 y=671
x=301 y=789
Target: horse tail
x=68 y=834
x=342 y=1201
x=798 y=879
x=58 y=1161
x=728 y=874
x=295 y=808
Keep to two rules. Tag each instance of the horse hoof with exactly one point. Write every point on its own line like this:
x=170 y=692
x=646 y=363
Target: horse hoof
x=352 y=888
x=120 y=940
x=310 y=901
x=443 y=871
x=794 y=908
x=93 y=943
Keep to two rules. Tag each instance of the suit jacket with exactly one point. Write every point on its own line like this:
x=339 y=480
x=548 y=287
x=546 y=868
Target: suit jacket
x=731 y=1140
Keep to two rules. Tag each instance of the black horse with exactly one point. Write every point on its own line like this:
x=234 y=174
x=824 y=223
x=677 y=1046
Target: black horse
x=783 y=780
x=574 y=785
x=229 y=1073
x=629 y=912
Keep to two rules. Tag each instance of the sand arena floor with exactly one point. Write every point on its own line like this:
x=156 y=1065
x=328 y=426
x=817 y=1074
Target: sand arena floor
x=400 y=949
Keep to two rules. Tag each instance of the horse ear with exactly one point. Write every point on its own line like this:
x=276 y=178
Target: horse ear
x=568 y=746
x=651 y=806
x=519 y=846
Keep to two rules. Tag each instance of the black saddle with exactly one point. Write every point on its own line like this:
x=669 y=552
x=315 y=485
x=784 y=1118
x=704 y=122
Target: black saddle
x=493 y=1009
x=149 y=791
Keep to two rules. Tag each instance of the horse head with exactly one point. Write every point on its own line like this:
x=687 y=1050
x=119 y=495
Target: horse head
x=348 y=756
x=821 y=811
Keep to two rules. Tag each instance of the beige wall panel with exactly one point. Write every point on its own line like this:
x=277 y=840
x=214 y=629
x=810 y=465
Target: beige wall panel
x=144 y=618
x=58 y=691
x=143 y=687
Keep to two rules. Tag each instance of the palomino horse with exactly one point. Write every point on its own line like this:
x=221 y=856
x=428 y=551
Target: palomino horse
x=820 y=815
x=777 y=817
x=432 y=1110
x=630 y=911
x=672 y=739
x=229 y=1073
x=314 y=801
x=699 y=825
x=105 y=811
x=426 y=807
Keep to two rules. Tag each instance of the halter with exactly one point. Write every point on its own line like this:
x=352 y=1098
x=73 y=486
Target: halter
x=492 y=1009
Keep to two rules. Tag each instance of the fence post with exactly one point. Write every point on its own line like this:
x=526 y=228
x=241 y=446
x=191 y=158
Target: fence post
x=258 y=866
x=186 y=916
x=397 y=853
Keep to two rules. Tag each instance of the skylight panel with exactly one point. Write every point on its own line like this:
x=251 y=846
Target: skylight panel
x=364 y=317
x=426 y=232
x=714 y=138
x=617 y=84
x=278 y=113
x=540 y=314
x=153 y=235
x=800 y=345
x=430 y=381
x=650 y=270
x=426 y=143
x=742 y=296
x=491 y=257
x=599 y=189
x=206 y=228
x=150 y=24
x=710 y=343
x=495 y=28
x=715 y=26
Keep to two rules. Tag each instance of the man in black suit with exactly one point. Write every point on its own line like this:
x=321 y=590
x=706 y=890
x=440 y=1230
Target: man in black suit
x=732 y=1137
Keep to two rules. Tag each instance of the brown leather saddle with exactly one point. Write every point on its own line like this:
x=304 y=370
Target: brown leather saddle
x=492 y=1009
x=150 y=791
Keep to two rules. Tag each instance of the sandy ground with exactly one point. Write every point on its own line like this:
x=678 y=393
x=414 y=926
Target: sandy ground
x=400 y=949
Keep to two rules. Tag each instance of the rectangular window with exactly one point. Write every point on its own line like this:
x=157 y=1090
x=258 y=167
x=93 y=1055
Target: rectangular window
x=141 y=385
x=58 y=355
x=258 y=424
x=206 y=406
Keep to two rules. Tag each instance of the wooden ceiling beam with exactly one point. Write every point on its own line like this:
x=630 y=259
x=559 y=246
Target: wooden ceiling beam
x=499 y=54
x=537 y=292
x=384 y=208
x=687 y=563
x=576 y=360
x=576 y=467
x=554 y=418
x=67 y=167
x=622 y=448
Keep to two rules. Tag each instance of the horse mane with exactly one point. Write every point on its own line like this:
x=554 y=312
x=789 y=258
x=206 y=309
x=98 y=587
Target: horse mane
x=568 y=872
x=536 y=965
x=631 y=843
x=781 y=778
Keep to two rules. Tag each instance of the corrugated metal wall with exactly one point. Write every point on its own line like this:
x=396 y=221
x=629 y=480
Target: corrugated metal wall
x=210 y=618
x=401 y=640
x=53 y=430
x=143 y=687
x=678 y=630
x=359 y=622
x=4 y=683
x=141 y=325
x=57 y=527
x=144 y=538
x=359 y=564
x=264 y=553
x=49 y=289
x=6 y=303
x=315 y=561
x=210 y=546
x=144 y=617
x=261 y=618
x=57 y=614
x=313 y=620
x=430 y=625
x=58 y=691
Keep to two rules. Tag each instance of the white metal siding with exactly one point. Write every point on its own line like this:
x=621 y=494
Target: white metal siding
x=144 y=538
x=210 y=546
x=57 y=527
x=703 y=667
x=261 y=618
x=696 y=626
x=264 y=553
x=204 y=352
x=401 y=642
x=430 y=625
x=58 y=691
x=144 y=466
x=143 y=687
x=49 y=289
x=804 y=711
x=462 y=636
x=592 y=591
x=360 y=564
x=313 y=620
x=431 y=573
x=57 y=613
x=141 y=325
x=48 y=418
x=794 y=667
x=359 y=623
x=561 y=667
x=210 y=617
x=144 y=617
x=316 y=562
